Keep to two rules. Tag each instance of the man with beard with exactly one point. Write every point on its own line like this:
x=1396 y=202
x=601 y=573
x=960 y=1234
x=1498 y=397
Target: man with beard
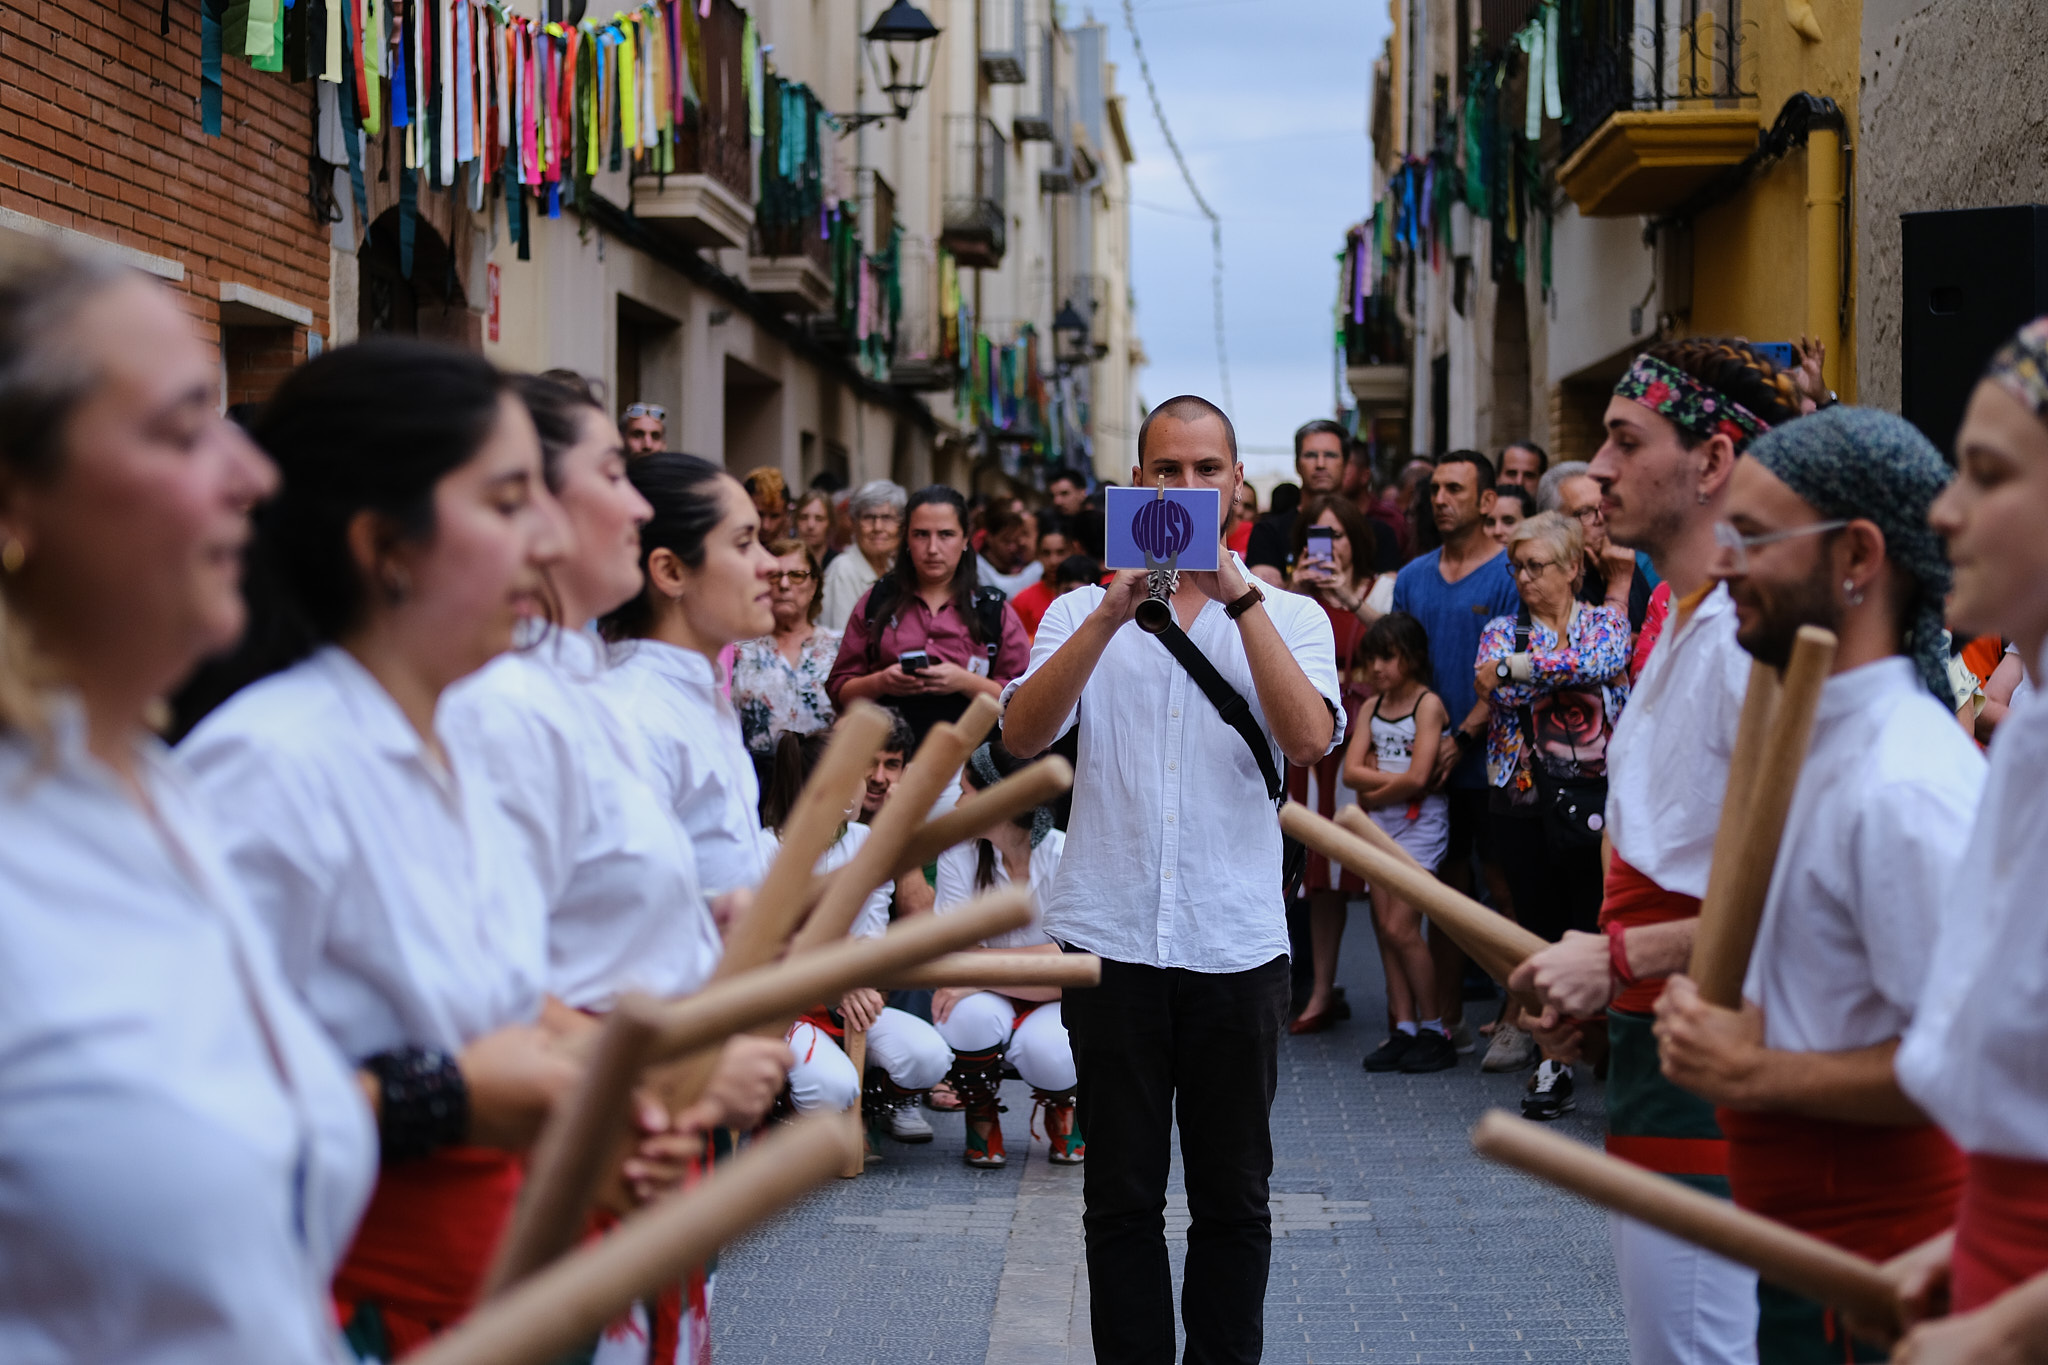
x=1676 y=424
x=1827 y=525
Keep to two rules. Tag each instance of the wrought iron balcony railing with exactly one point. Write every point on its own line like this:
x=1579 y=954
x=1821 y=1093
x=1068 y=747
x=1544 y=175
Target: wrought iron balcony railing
x=1691 y=54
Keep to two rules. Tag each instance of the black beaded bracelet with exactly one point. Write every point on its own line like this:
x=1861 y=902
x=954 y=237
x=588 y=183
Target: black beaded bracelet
x=424 y=1102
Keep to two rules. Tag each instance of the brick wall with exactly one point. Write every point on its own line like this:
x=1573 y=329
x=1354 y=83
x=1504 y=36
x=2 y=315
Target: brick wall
x=100 y=132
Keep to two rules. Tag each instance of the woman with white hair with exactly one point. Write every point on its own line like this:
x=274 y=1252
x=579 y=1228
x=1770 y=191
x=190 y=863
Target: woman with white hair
x=877 y=509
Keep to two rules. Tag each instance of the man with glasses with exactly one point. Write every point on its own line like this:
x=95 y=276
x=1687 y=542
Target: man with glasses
x=877 y=511
x=1827 y=525
x=644 y=427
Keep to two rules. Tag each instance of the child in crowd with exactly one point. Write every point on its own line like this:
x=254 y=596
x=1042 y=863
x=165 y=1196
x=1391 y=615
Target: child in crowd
x=1512 y=505
x=1389 y=765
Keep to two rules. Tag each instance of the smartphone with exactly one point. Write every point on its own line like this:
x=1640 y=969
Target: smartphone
x=1320 y=550
x=1780 y=353
x=914 y=661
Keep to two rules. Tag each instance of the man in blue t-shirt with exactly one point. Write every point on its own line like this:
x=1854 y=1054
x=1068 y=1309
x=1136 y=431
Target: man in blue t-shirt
x=1454 y=591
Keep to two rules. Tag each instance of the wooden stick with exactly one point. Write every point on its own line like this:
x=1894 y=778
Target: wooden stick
x=857 y=1149
x=1752 y=737
x=757 y=935
x=1001 y=967
x=1355 y=819
x=1495 y=942
x=585 y=1137
x=1734 y=903
x=565 y=1305
x=1782 y=1255
x=938 y=761
x=570 y=1158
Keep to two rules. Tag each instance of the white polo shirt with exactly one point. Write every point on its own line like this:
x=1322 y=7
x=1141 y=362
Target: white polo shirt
x=395 y=892
x=1872 y=844
x=1667 y=763
x=183 y=1153
x=689 y=739
x=1173 y=849
x=625 y=912
x=1974 y=1058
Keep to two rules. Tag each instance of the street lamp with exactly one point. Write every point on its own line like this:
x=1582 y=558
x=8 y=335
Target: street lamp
x=1070 y=338
x=903 y=40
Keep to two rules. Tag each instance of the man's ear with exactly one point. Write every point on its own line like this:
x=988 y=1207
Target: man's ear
x=1862 y=551
x=1717 y=465
x=1487 y=497
x=1137 y=476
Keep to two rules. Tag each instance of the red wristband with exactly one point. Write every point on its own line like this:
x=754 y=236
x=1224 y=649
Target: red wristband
x=1617 y=953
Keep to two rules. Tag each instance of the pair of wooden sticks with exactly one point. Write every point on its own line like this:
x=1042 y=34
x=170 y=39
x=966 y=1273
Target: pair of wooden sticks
x=1771 y=742
x=788 y=951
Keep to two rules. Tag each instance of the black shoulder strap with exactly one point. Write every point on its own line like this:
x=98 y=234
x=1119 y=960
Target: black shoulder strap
x=1228 y=701
x=988 y=609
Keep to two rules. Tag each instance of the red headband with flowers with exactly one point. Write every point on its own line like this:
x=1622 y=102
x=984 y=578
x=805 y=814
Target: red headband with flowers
x=1673 y=394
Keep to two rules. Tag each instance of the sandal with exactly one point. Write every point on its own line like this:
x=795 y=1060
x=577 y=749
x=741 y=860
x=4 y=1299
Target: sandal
x=941 y=1099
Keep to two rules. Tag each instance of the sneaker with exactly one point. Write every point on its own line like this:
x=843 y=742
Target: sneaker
x=1511 y=1051
x=1387 y=1056
x=906 y=1124
x=1461 y=1040
x=1550 y=1093
x=1432 y=1052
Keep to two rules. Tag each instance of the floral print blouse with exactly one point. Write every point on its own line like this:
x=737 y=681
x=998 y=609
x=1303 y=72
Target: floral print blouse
x=1575 y=696
x=775 y=697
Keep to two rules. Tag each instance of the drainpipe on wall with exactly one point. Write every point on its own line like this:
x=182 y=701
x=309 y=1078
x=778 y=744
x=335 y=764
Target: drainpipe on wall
x=1824 y=243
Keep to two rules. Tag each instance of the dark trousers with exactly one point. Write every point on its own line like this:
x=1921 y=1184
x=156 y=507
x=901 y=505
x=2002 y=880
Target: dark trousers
x=1145 y=1040
x=1554 y=889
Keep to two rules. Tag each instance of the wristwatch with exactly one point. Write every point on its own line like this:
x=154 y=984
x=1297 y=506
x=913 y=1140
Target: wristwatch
x=1253 y=595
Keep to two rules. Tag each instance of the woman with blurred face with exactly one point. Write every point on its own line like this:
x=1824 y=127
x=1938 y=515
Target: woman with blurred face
x=707 y=584
x=1973 y=1068
x=411 y=535
x=183 y=1152
x=625 y=911
x=778 y=679
x=810 y=522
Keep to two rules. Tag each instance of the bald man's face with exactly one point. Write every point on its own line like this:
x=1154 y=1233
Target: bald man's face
x=1191 y=455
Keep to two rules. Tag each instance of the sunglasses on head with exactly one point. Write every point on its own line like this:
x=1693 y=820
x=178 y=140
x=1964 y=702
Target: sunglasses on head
x=654 y=410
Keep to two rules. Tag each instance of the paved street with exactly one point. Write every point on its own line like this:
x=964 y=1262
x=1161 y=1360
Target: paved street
x=1393 y=1242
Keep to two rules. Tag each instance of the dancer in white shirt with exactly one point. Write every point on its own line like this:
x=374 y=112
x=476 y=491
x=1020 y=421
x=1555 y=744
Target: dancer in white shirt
x=183 y=1153
x=1022 y=1025
x=614 y=867
x=409 y=537
x=1172 y=874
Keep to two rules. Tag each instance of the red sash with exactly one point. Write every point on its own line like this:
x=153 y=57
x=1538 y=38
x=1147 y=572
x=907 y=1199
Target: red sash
x=1876 y=1191
x=2001 y=1229
x=1633 y=900
x=426 y=1242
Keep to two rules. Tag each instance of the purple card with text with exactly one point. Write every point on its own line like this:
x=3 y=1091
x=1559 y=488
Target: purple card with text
x=1146 y=531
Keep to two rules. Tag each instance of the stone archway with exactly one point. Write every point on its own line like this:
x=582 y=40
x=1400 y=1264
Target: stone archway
x=425 y=301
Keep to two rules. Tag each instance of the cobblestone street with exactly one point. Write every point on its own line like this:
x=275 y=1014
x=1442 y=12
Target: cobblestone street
x=1393 y=1242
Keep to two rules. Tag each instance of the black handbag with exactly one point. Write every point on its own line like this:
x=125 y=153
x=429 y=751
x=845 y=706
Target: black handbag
x=1237 y=714
x=1573 y=809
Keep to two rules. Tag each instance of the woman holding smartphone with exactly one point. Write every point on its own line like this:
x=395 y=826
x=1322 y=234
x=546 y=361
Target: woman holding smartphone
x=925 y=639
x=1332 y=543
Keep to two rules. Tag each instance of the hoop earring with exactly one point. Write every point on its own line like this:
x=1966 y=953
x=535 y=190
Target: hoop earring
x=13 y=554
x=1852 y=592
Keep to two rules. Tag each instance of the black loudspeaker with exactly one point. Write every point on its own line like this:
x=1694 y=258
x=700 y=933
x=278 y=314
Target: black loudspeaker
x=1972 y=278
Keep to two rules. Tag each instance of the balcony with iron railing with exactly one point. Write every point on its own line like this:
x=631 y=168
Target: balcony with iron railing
x=1659 y=96
x=927 y=345
x=791 y=253
x=708 y=201
x=974 y=207
x=1376 y=353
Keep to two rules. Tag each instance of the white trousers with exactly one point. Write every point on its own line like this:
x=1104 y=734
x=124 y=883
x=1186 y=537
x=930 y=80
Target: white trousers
x=903 y=1045
x=1037 y=1047
x=1684 y=1306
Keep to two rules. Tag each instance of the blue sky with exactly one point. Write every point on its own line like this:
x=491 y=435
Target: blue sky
x=1268 y=99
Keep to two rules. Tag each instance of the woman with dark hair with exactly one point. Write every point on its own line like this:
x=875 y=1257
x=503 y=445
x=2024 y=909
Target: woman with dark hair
x=625 y=912
x=925 y=639
x=1021 y=1025
x=411 y=534
x=705 y=585
x=184 y=1153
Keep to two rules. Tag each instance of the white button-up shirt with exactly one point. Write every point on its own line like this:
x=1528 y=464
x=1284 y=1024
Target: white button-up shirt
x=955 y=886
x=1667 y=763
x=1872 y=844
x=872 y=919
x=183 y=1154
x=396 y=895
x=625 y=912
x=1974 y=1058
x=1173 y=849
x=690 y=744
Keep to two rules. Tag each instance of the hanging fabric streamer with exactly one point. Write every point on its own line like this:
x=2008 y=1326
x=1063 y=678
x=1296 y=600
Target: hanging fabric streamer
x=1553 y=98
x=408 y=219
x=1530 y=40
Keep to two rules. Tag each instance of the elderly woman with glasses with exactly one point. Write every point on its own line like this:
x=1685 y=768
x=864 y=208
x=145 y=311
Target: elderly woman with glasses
x=778 y=679
x=877 y=511
x=1556 y=675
